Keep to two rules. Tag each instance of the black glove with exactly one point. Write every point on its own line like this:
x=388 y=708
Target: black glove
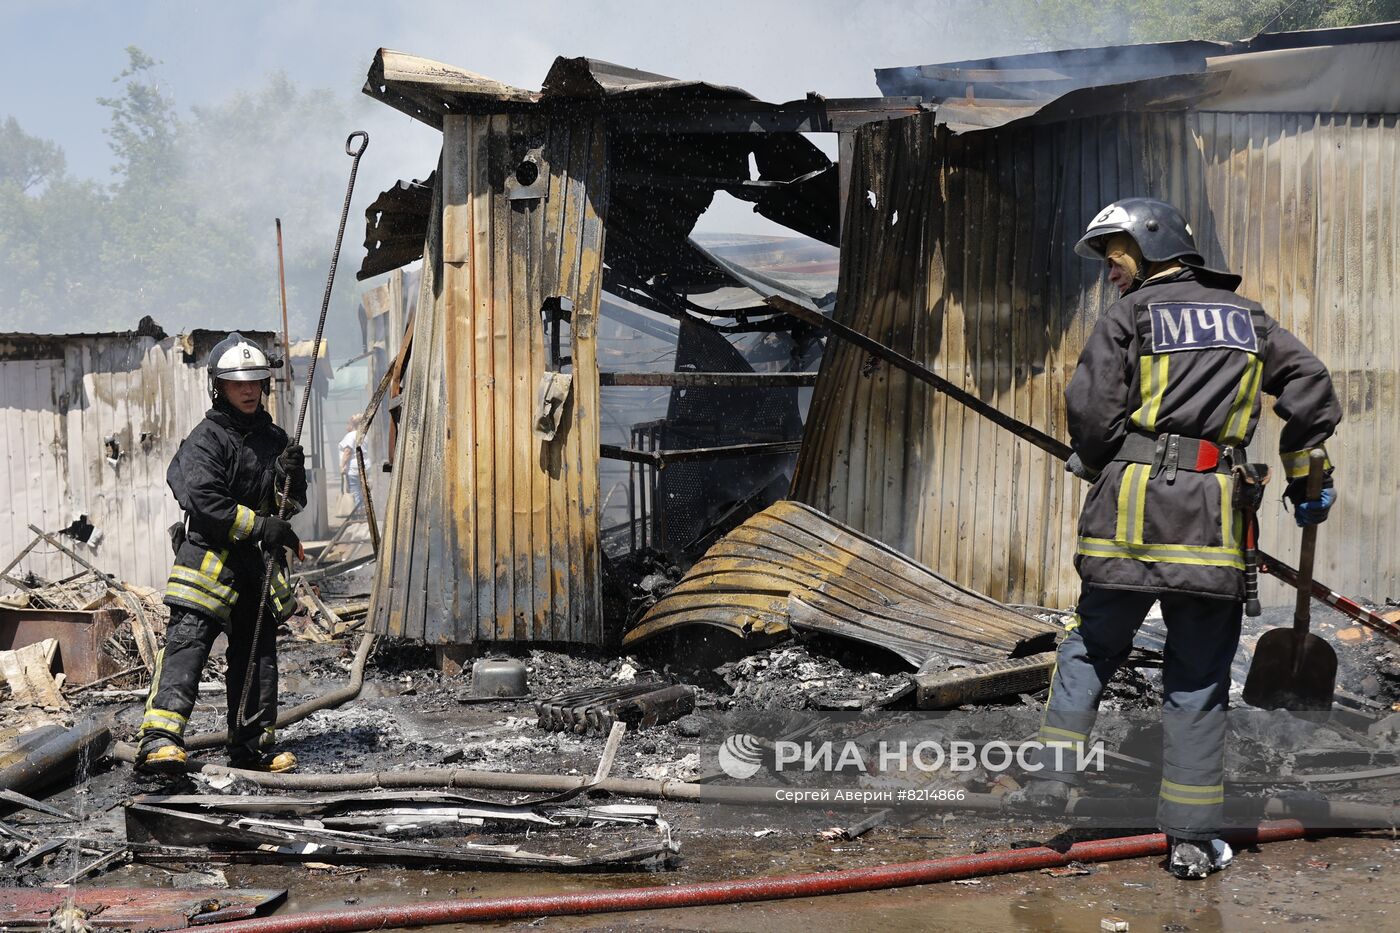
x=291 y=461
x=276 y=533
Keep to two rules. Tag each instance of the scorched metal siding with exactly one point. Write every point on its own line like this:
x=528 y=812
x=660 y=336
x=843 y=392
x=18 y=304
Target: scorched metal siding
x=958 y=251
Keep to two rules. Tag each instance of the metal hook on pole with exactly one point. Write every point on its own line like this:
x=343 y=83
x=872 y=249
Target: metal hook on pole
x=355 y=152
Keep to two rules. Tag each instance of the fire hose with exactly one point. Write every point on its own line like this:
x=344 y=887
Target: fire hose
x=749 y=890
x=240 y=721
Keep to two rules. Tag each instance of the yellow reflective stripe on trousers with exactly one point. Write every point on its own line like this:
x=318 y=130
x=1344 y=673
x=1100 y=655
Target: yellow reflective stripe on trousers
x=165 y=720
x=1242 y=409
x=1295 y=463
x=1132 y=503
x=1192 y=795
x=1195 y=555
x=242 y=523
x=1227 y=513
x=1152 y=375
x=1062 y=736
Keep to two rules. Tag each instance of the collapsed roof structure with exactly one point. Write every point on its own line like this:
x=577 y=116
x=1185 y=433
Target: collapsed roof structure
x=956 y=202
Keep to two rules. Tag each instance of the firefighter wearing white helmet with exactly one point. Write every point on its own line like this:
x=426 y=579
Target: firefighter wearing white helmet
x=1165 y=398
x=238 y=359
x=227 y=477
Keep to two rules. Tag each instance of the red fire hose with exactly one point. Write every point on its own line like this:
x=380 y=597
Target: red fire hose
x=737 y=892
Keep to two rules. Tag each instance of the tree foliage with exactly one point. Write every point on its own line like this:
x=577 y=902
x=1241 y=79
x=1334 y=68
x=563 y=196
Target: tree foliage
x=184 y=231
x=1087 y=23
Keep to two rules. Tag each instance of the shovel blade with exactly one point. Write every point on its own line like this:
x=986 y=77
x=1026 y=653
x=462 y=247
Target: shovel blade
x=1280 y=679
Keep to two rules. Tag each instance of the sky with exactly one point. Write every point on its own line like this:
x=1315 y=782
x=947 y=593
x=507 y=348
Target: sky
x=63 y=54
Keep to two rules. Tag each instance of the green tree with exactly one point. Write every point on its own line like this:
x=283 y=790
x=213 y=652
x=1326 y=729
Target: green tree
x=28 y=161
x=1087 y=23
x=144 y=132
x=184 y=232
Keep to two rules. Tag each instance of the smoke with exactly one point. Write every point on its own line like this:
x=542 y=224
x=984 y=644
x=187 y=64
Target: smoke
x=265 y=96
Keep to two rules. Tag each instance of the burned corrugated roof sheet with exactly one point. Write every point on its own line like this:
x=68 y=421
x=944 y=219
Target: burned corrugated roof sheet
x=791 y=566
x=1324 y=70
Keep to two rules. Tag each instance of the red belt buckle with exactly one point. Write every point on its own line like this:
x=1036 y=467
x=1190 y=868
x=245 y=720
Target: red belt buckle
x=1207 y=457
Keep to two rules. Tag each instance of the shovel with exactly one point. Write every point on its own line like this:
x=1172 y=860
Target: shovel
x=1294 y=669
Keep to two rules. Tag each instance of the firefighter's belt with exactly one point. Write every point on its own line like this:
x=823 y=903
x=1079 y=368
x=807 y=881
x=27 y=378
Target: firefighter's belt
x=1168 y=453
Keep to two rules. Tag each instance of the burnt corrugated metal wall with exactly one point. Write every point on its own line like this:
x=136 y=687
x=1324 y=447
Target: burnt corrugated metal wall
x=958 y=251
x=491 y=532
x=60 y=398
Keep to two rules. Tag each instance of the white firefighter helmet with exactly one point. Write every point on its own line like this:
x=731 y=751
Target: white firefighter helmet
x=237 y=359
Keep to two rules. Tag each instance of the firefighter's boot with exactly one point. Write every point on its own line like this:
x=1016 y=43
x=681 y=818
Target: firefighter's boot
x=159 y=754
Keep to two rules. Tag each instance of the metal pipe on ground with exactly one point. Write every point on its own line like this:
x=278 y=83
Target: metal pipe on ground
x=1317 y=813
x=125 y=752
x=58 y=756
x=749 y=890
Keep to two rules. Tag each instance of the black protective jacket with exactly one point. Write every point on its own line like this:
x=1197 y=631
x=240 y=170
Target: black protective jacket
x=1178 y=356
x=224 y=477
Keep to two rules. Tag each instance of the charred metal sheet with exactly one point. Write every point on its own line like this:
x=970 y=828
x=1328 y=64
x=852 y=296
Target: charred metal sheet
x=408 y=829
x=961 y=258
x=396 y=224
x=593 y=710
x=130 y=908
x=1345 y=70
x=791 y=566
x=647 y=226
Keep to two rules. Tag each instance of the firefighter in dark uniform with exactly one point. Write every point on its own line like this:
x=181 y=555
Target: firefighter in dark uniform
x=227 y=477
x=1165 y=397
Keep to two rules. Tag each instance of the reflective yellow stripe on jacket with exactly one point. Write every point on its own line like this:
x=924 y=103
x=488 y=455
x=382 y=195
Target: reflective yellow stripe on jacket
x=243 y=520
x=1295 y=463
x=1153 y=370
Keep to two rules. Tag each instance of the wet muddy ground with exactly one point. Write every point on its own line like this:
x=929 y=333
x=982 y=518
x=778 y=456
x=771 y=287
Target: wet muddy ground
x=412 y=715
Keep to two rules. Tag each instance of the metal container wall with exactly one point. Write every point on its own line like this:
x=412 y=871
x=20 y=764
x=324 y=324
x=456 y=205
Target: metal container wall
x=60 y=397
x=958 y=251
x=491 y=532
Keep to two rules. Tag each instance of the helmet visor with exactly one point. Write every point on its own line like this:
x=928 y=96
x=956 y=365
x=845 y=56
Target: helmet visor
x=243 y=375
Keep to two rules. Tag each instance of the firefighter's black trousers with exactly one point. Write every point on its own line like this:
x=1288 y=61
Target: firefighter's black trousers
x=188 y=639
x=1202 y=637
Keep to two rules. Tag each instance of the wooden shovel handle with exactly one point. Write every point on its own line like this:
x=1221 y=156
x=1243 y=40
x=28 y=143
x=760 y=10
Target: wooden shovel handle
x=1316 y=458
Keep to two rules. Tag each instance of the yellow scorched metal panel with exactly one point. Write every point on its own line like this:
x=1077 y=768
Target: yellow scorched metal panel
x=492 y=533
x=958 y=251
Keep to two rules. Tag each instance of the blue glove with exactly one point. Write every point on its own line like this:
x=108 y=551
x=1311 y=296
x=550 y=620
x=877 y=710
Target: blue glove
x=1081 y=469
x=1315 y=512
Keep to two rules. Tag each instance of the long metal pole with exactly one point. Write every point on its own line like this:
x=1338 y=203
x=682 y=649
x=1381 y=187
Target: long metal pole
x=354 y=152
x=286 y=338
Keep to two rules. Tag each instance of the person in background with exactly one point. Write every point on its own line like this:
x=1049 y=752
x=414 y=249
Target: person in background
x=350 y=465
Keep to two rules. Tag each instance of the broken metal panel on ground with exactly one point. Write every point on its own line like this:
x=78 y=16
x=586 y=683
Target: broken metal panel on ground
x=409 y=828
x=961 y=257
x=491 y=532
x=790 y=566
